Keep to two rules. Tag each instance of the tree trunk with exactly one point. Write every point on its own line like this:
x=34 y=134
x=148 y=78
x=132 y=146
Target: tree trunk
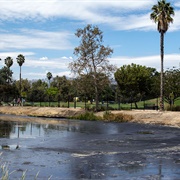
x=85 y=102
x=162 y=73
x=119 y=103
x=136 y=106
x=59 y=101
x=20 y=81
x=68 y=101
x=96 y=86
x=96 y=96
x=107 y=102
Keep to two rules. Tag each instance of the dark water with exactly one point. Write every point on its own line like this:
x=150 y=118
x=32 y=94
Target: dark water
x=73 y=149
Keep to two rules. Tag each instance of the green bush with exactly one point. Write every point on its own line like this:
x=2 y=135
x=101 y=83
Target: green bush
x=87 y=116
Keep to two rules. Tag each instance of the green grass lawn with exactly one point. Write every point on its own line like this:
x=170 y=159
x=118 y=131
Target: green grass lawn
x=104 y=106
x=82 y=104
x=177 y=103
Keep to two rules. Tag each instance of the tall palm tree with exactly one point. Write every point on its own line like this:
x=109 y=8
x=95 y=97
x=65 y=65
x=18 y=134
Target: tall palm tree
x=20 y=60
x=162 y=15
x=49 y=76
x=9 y=62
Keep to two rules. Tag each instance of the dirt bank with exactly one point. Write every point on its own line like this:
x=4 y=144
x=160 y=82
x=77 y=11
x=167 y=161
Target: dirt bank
x=40 y=111
x=140 y=116
x=153 y=117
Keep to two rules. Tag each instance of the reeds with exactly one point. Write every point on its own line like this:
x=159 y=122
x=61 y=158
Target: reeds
x=5 y=174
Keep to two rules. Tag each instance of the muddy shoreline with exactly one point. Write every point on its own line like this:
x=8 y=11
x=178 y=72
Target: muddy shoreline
x=166 y=118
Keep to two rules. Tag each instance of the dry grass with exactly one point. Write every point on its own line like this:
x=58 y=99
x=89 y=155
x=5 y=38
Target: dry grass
x=119 y=117
x=5 y=174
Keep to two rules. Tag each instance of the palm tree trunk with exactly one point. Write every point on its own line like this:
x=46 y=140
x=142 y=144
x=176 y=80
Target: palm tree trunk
x=162 y=73
x=20 y=81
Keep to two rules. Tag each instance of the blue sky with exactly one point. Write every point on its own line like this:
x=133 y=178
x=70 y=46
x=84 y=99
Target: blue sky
x=43 y=31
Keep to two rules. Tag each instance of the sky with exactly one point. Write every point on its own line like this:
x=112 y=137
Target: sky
x=44 y=32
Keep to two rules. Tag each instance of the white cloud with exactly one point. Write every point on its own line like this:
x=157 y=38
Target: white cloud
x=35 y=75
x=14 y=55
x=57 y=63
x=64 y=57
x=60 y=66
x=118 y=14
x=44 y=58
x=176 y=24
x=177 y=4
x=170 y=60
x=64 y=73
x=78 y=9
x=42 y=75
x=35 y=39
x=138 y=22
x=31 y=64
x=37 y=69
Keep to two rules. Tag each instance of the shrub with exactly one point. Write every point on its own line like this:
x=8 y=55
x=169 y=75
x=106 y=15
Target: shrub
x=107 y=116
x=87 y=116
x=64 y=106
x=173 y=108
x=120 y=117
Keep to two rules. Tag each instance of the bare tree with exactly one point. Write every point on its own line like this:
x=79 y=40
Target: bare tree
x=92 y=57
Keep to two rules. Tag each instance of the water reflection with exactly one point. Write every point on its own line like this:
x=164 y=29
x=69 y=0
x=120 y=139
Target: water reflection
x=24 y=130
x=64 y=128
x=5 y=129
x=27 y=130
x=13 y=129
x=160 y=169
